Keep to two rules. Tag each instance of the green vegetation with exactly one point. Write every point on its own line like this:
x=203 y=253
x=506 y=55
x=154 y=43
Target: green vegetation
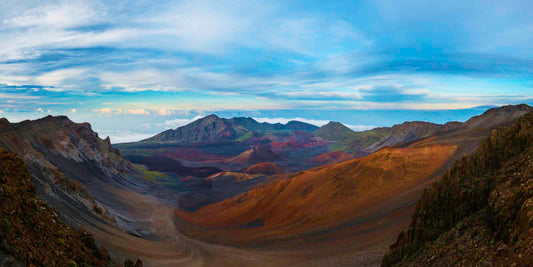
x=362 y=140
x=244 y=136
x=488 y=194
x=32 y=232
x=334 y=131
x=151 y=175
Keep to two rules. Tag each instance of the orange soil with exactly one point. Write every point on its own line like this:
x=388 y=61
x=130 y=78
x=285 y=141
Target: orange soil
x=268 y=168
x=332 y=157
x=318 y=199
x=236 y=176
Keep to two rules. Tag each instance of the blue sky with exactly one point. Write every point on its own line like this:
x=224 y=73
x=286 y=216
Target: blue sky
x=135 y=68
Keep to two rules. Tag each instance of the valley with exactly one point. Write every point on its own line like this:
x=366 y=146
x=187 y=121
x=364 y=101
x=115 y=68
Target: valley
x=236 y=192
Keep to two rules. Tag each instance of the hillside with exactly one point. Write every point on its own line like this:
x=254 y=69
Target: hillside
x=310 y=201
x=256 y=154
x=367 y=196
x=264 y=168
x=32 y=233
x=372 y=140
x=75 y=171
x=366 y=142
x=334 y=131
x=332 y=157
x=480 y=211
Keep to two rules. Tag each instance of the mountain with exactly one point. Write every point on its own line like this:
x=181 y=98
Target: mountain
x=264 y=168
x=334 y=131
x=209 y=128
x=366 y=142
x=31 y=231
x=367 y=196
x=214 y=129
x=253 y=125
x=480 y=211
x=372 y=140
x=74 y=170
x=213 y=142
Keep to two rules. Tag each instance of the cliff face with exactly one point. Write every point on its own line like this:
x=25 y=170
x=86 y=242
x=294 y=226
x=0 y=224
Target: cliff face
x=481 y=210
x=73 y=169
x=31 y=232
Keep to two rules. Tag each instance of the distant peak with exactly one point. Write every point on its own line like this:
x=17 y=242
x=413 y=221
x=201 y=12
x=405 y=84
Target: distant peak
x=510 y=108
x=211 y=116
x=55 y=118
x=334 y=124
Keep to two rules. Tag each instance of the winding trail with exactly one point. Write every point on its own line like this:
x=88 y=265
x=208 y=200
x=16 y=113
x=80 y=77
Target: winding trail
x=169 y=247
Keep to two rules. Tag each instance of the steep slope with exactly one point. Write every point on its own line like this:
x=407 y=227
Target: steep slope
x=334 y=131
x=311 y=201
x=264 y=168
x=487 y=196
x=209 y=128
x=32 y=233
x=372 y=140
x=372 y=193
x=332 y=157
x=74 y=170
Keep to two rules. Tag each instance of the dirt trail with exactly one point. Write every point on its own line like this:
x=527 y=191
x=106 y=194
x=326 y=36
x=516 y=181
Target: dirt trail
x=170 y=247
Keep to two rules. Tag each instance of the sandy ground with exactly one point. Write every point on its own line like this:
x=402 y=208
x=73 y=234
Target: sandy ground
x=171 y=248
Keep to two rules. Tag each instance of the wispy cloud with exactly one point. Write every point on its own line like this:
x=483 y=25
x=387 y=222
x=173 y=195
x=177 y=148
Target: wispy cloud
x=164 y=58
x=175 y=123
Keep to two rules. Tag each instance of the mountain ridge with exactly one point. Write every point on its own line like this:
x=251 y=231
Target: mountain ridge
x=213 y=128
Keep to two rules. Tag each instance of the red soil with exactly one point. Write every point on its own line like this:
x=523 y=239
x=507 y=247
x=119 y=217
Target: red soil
x=317 y=199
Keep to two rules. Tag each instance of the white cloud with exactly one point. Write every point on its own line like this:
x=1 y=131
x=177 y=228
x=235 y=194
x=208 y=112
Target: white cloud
x=67 y=14
x=164 y=112
x=175 y=123
x=17 y=96
x=104 y=110
x=55 y=78
x=360 y=127
x=120 y=136
x=318 y=123
x=285 y=120
x=138 y=112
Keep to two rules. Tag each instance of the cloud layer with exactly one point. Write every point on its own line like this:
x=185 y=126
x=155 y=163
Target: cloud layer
x=100 y=59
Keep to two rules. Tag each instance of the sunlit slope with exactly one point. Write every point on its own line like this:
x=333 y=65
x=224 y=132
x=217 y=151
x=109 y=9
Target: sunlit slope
x=317 y=199
x=371 y=195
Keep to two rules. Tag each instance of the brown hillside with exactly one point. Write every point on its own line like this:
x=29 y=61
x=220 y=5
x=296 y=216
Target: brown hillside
x=481 y=211
x=375 y=190
x=265 y=168
x=332 y=157
x=317 y=199
x=255 y=155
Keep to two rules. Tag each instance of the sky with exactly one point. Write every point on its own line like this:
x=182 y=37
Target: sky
x=136 y=68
